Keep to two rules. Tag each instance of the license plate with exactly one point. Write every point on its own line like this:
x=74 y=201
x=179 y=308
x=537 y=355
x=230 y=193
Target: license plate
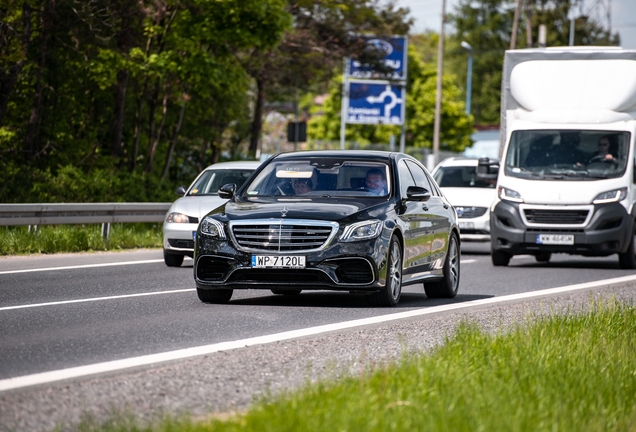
x=555 y=239
x=467 y=225
x=278 y=261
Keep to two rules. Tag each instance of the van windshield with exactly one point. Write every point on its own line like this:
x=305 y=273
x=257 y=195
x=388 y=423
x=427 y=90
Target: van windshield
x=567 y=154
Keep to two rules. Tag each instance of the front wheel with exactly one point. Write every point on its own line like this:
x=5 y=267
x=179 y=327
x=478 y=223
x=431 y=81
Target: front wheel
x=390 y=294
x=447 y=287
x=214 y=296
x=627 y=260
x=172 y=260
x=499 y=258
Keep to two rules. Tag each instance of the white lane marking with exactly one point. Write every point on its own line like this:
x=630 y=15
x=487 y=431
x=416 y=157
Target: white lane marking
x=117 y=365
x=468 y=261
x=94 y=299
x=82 y=266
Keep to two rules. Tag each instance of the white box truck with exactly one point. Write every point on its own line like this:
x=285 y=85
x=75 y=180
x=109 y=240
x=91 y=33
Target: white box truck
x=567 y=177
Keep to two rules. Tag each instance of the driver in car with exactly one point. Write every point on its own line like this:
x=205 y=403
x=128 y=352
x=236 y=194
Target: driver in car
x=376 y=182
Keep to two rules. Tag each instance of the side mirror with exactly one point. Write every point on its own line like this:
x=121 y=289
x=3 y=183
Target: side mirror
x=181 y=191
x=485 y=169
x=227 y=191
x=417 y=193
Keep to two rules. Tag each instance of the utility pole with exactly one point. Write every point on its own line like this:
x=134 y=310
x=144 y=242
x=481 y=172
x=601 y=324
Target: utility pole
x=515 y=25
x=438 y=94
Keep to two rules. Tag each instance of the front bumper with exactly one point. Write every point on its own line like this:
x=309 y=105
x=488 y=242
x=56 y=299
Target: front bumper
x=607 y=231
x=354 y=266
x=178 y=238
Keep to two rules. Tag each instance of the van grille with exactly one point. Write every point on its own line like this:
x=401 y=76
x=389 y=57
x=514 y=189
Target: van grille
x=283 y=235
x=556 y=217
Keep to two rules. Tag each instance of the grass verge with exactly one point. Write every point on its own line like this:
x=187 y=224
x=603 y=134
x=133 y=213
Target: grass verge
x=560 y=373
x=51 y=239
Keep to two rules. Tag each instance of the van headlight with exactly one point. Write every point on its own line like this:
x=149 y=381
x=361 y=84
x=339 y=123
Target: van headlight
x=212 y=227
x=361 y=231
x=611 y=196
x=509 y=195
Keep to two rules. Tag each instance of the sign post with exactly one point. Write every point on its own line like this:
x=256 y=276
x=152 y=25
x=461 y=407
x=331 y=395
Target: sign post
x=373 y=97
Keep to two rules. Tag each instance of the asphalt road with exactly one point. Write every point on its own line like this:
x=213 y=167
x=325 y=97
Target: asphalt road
x=71 y=310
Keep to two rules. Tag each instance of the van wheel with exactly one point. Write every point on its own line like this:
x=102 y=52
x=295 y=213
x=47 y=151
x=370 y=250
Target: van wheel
x=172 y=260
x=627 y=260
x=390 y=294
x=543 y=256
x=499 y=258
x=214 y=295
x=447 y=287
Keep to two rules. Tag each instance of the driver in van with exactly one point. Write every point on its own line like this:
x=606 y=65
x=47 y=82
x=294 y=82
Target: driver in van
x=603 y=154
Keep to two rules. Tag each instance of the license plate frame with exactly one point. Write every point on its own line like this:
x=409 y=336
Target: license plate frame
x=279 y=261
x=555 y=239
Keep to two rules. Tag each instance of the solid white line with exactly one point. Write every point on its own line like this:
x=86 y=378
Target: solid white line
x=468 y=261
x=116 y=365
x=94 y=299
x=82 y=266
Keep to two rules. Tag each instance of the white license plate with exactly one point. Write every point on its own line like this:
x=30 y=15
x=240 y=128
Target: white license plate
x=555 y=239
x=467 y=225
x=278 y=261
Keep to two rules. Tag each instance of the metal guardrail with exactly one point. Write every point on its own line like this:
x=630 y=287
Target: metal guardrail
x=81 y=213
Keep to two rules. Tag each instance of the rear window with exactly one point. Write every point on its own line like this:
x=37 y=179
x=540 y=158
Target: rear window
x=461 y=177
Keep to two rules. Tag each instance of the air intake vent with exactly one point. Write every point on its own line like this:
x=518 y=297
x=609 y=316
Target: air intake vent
x=470 y=212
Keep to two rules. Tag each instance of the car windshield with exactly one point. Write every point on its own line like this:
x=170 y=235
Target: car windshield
x=320 y=177
x=567 y=154
x=213 y=179
x=462 y=177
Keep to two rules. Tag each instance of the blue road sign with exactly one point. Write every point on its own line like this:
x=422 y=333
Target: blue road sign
x=375 y=103
x=395 y=51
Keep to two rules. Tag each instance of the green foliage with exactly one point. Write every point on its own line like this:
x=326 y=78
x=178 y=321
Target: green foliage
x=79 y=238
x=487 y=26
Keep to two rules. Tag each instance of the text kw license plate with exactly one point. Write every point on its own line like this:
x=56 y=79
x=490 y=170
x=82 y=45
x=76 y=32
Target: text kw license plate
x=278 y=261
x=555 y=239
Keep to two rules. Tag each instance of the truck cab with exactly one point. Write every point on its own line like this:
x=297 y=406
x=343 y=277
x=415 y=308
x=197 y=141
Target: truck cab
x=567 y=179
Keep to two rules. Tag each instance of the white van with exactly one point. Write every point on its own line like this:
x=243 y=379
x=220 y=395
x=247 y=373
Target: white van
x=567 y=179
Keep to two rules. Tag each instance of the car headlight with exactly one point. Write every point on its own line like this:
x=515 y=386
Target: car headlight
x=175 y=217
x=361 y=231
x=611 y=196
x=212 y=227
x=509 y=195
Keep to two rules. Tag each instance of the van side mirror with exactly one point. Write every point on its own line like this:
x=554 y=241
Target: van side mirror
x=227 y=191
x=487 y=169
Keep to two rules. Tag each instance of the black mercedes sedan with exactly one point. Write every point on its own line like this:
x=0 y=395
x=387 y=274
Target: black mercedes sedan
x=366 y=222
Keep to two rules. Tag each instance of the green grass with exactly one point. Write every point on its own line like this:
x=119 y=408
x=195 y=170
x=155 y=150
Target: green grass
x=78 y=238
x=561 y=373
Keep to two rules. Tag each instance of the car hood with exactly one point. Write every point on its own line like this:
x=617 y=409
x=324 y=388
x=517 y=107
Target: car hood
x=196 y=206
x=470 y=197
x=316 y=209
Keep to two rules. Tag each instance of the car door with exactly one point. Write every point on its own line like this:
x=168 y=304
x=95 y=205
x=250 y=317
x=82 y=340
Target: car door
x=417 y=228
x=437 y=212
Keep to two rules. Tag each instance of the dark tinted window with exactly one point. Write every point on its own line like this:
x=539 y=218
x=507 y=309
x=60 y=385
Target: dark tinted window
x=406 y=179
x=461 y=176
x=420 y=176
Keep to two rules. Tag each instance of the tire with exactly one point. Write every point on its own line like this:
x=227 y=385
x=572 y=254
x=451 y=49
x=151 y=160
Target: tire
x=286 y=292
x=172 y=260
x=627 y=260
x=215 y=295
x=499 y=258
x=447 y=287
x=390 y=294
x=543 y=257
